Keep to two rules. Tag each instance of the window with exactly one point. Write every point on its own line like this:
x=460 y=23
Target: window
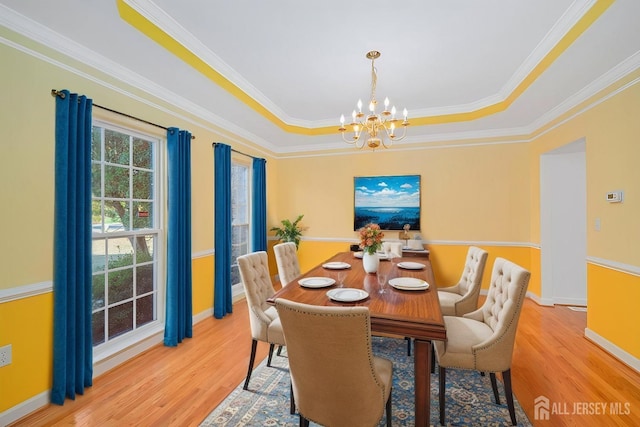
x=240 y=216
x=126 y=232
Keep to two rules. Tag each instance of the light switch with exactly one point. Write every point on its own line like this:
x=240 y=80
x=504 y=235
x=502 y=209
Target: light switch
x=597 y=224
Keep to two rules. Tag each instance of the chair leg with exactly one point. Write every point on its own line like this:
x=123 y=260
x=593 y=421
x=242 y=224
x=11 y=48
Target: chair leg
x=494 y=386
x=408 y=339
x=506 y=377
x=279 y=353
x=441 y=381
x=389 y=409
x=252 y=358
x=304 y=422
x=433 y=357
x=271 y=347
x=292 y=400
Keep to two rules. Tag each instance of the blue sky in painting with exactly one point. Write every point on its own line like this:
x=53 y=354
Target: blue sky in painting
x=387 y=191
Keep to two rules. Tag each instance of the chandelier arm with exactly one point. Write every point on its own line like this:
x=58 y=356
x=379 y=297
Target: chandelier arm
x=351 y=141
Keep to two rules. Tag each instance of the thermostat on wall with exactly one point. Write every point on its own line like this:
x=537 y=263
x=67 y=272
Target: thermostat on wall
x=614 y=196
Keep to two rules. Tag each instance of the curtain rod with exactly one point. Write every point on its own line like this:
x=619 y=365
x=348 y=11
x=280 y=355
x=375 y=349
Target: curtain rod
x=55 y=92
x=236 y=151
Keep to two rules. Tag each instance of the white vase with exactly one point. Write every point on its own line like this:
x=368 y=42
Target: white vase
x=370 y=262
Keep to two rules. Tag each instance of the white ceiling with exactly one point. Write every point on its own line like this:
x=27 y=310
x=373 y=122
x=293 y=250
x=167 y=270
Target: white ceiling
x=305 y=61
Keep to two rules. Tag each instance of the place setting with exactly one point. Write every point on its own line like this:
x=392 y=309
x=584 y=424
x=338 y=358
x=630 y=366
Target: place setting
x=336 y=265
x=408 y=284
x=409 y=265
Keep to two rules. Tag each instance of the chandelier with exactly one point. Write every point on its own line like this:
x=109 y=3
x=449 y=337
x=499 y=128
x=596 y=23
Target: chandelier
x=379 y=128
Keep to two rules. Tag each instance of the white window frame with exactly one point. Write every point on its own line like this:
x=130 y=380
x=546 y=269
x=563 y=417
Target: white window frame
x=124 y=343
x=237 y=288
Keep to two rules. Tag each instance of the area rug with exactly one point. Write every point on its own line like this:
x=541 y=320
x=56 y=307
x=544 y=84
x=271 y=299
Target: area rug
x=469 y=399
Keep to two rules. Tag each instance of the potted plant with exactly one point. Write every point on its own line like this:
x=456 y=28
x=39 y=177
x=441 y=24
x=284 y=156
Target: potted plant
x=290 y=231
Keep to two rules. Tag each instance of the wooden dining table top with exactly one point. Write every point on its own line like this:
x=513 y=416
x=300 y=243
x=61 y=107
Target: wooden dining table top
x=410 y=313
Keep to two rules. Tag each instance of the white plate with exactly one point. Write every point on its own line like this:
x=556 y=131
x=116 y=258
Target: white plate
x=347 y=294
x=358 y=254
x=409 y=284
x=336 y=265
x=316 y=282
x=411 y=265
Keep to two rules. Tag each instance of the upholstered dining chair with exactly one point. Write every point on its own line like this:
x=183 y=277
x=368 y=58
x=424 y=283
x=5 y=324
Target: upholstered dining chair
x=263 y=317
x=462 y=297
x=393 y=247
x=287 y=261
x=483 y=339
x=335 y=378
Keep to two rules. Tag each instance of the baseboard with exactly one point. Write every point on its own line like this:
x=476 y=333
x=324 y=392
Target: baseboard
x=626 y=358
x=24 y=408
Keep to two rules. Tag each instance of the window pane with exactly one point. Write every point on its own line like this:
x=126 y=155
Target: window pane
x=116 y=216
x=142 y=184
x=116 y=147
x=96 y=143
x=97 y=300
x=143 y=217
x=144 y=279
x=96 y=216
x=142 y=153
x=120 y=252
x=97 y=327
x=120 y=319
x=144 y=248
x=96 y=180
x=116 y=182
x=120 y=285
x=99 y=251
x=144 y=310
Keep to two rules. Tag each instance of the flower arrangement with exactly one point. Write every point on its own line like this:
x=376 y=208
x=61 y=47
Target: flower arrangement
x=371 y=238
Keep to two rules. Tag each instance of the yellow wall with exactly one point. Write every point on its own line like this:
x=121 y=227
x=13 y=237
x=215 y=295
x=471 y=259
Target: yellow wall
x=613 y=307
x=486 y=195
x=470 y=193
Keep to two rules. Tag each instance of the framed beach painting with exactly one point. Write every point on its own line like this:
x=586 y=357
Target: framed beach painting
x=390 y=201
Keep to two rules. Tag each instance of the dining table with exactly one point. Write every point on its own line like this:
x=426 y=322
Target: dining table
x=409 y=308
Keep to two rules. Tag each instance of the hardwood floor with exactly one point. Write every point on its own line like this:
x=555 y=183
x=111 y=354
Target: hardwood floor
x=180 y=386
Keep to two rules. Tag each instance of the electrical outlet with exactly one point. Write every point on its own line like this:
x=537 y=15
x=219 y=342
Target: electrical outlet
x=5 y=355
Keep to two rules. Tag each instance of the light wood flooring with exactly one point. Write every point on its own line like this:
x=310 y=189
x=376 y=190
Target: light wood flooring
x=180 y=386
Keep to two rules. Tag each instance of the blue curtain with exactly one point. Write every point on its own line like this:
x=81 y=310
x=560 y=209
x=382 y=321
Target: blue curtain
x=72 y=340
x=259 y=206
x=222 y=303
x=179 y=316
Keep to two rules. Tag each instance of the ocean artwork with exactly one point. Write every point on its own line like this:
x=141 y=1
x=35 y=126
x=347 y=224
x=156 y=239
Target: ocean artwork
x=389 y=201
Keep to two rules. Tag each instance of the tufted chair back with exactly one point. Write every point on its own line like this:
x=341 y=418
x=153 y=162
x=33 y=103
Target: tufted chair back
x=471 y=278
x=501 y=310
x=462 y=298
x=483 y=339
x=393 y=247
x=336 y=379
x=287 y=261
x=490 y=347
x=254 y=272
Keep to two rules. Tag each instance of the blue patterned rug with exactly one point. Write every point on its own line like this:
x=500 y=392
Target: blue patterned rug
x=469 y=399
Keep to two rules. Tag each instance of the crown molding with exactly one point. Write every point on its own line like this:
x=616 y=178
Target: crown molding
x=44 y=36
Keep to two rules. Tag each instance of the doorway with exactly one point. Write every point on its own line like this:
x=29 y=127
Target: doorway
x=563 y=225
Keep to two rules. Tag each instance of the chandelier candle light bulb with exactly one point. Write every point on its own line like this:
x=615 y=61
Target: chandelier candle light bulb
x=377 y=126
